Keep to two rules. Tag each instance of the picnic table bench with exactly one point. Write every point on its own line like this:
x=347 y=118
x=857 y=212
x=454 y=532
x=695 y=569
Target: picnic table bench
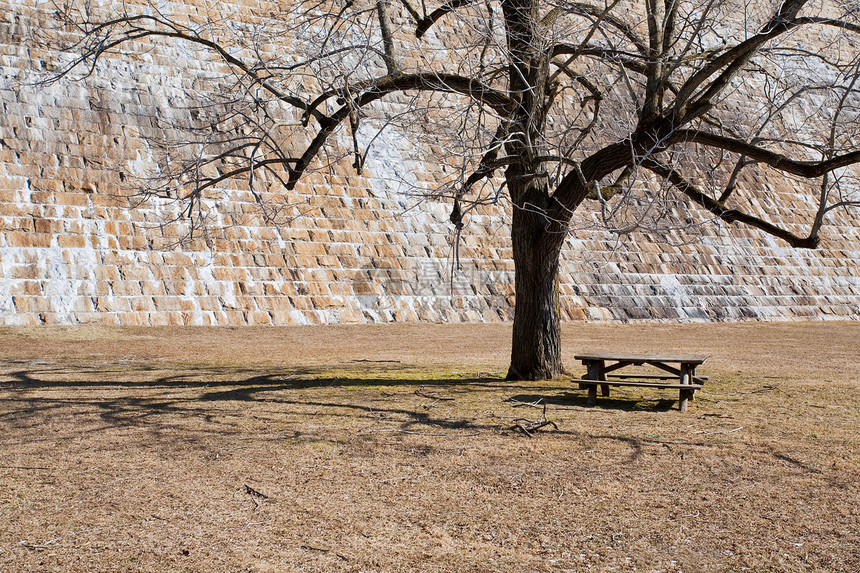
x=601 y=370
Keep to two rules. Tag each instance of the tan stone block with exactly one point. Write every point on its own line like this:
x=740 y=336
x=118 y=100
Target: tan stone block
x=301 y=302
x=50 y=318
x=23 y=304
x=41 y=240
x=406 y=315
x=71 y=241
x=315 y=317
x=389 y=251
x=244 y=304
x=175 y=318
x=166 y=303
x=104 y=304
x=133 y=318
x=315 y=249
x=341 y=289
x=20 y=319
x=49 y=226
x=274 y=260
x=106 y=318
x=366 y=288
x=31 y=271
x=26 y=287
x=152 y=288
x=233 y=317
x=300 y=262
x=208 y=319
x=41 y=304
x=229 y=274
x=351 y=316
x=259 y=317
x=282 y=318
x=125 y=288
x=42 y=197
x=78 y=199
x=156 y=319
x=241 y=259
x=278 y=303
x=178 y=259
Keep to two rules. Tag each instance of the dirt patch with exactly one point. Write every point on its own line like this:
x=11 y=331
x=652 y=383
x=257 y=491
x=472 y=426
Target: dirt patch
x=391 y=448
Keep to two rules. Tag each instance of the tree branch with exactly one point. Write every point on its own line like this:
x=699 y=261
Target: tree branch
x=733 y=60
x=428 y=21
x=807 y=169
x=424 y=81
x=96 y=44
x=728 y=215
x=627 y=31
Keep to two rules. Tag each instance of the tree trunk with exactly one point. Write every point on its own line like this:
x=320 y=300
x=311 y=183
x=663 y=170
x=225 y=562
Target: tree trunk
x=536 y=341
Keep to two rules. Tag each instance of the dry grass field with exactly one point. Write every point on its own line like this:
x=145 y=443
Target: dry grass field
x=391 y=448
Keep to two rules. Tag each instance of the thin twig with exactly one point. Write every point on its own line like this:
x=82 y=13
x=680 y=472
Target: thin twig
x=38 y=546
x=395 y=478
x=321 y=550
x=518 y=403
x=251 y=491
x=24 y=468
x=719 y=431
x=532 y=426
x=393 y=430
x=423 y=393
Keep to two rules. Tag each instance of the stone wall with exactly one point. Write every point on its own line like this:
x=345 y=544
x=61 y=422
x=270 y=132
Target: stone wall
x=75 y=247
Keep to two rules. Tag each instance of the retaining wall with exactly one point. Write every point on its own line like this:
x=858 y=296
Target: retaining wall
x=75 y=248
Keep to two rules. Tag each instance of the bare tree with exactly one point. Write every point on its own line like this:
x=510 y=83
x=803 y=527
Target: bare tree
x=546 y=103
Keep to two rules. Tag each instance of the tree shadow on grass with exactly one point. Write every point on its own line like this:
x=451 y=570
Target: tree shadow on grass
x=204 y=401
x=580 y=399
x=206 y=408
x=193 y=404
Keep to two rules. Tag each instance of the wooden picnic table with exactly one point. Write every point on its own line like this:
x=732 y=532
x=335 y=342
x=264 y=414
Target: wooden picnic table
x=677 y=373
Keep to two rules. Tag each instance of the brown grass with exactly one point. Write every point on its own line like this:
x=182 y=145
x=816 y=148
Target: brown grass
x=388 y=448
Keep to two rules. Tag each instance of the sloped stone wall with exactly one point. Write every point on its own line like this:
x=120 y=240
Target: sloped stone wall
x=76 y=248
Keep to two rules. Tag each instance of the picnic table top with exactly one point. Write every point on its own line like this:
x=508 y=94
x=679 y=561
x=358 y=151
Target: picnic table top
x=642 y=357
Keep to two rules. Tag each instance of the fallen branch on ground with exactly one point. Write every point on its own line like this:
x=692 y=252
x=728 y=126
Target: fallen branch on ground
x=423 y=393
x=38 y=546
x=518 y=403
x=322 y=550
x=251 y=491
x=528 y=427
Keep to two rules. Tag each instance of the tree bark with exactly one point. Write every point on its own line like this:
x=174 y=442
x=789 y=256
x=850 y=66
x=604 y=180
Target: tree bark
x=536 y=340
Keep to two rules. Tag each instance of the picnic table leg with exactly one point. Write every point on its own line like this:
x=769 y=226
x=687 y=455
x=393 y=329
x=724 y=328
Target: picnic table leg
x=595 y=372
x=686 y=378
x=692 y=381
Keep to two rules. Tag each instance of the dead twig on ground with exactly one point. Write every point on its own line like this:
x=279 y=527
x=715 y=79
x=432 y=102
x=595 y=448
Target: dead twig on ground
x=423 y=393
x=251 y=491
x=518 y=403
x=528 y=427
x=39 y=546
x=718 y=431
x=398 y=431
x=405 y=477
x=255 y=495
x=24 y=468
x=322 y=550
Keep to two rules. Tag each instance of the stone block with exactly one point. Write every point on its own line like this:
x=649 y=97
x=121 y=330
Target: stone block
x=310 y=249
x=26 y=271
x=258 y=317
